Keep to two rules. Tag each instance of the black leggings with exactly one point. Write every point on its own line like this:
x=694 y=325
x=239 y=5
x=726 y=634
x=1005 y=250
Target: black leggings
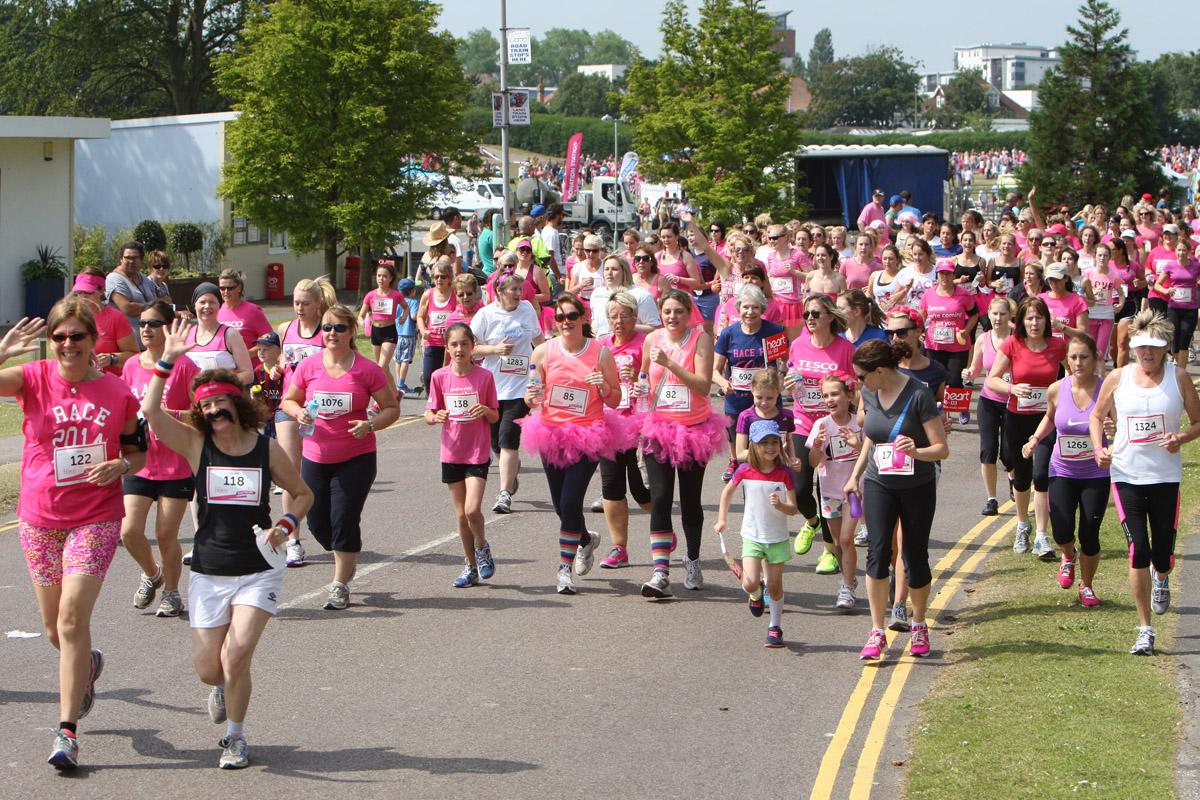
x=806 y=480
x=339 y=494
x=568 y=487
x=1184 y=322
x=1158 y=505
x=1087 y=495
x=662 y=499
x=955 y=361
x=914 y=508
x=989 y=414
x=621 y=475
x=432 y=357
x=1027 y=471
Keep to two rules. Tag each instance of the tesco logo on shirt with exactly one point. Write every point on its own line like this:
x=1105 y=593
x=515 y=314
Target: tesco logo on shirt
x=804 y=365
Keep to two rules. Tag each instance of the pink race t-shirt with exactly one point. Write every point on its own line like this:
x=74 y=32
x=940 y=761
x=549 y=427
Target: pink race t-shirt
x=342 y=402
x=248 y=320
x=111 y=327
x=1039 y=370
x=1156 y=261
x=945 y=317
x=464 y=440
x=383 y=305
x=163 y=463
x=813 y=363
x=858 y=274
x=1065 y=309
x=70 y=428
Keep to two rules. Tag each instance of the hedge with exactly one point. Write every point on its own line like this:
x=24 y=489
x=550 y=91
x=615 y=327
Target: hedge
x=548 y=133
x=955 y=141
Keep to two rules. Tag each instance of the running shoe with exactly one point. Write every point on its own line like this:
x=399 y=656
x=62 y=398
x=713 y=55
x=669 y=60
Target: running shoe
x=918 y=643
x=693 y=578
x=658 y=587
x=876 y=644
x=216 y=705
x=804 y=538
x=147 y=588
x=468 y=577
x=730 y=468
x=861 y=537
x=774 y=637
x=566 y=585
x=277 y=490
x=1042 y=547
x=187 y=558
x=404 y=387
x=899 y=621
x=757 y=606
x=598 y=505
x=235 y=753
x=295 y=553
x=487 y=564
x=617 y=557
x=1143 y=645
x=171 y=604
x=1087 y=597
x=845 y=597
x=964 y=418
x=1021 y=541
x=1160 y=592
x=89 y=694
x=339 y=596
x=65 y=754
x=503 y=504
x=1066 y=573
x=990 y=508
x=586 y=552
x=827 y=564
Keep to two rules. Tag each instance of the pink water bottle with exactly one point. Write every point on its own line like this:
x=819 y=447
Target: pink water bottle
x=855 y=506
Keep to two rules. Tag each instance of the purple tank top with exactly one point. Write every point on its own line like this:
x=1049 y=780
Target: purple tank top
x=1072 y=456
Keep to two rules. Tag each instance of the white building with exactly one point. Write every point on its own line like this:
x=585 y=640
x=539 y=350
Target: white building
x=37 y=169
x=613 y=72
x=1008 y=67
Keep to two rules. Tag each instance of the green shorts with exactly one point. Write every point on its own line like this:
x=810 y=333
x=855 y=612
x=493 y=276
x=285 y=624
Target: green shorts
x=775 y=553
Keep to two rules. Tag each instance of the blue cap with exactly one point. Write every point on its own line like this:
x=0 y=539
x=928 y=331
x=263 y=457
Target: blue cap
x=762 y=428
x=895 y=199
x=271 y=339
x=405 y=285
x=537 y=210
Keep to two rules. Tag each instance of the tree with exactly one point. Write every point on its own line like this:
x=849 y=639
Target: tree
x=611 y=48
x=821 y=53
x=583 y=96
x=963 y=98
x=710 y=111
x=1089 y=141
x=480 y=53
x=878 y=89
x=333 y=100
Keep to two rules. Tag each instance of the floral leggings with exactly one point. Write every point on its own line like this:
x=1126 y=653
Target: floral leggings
x=54 y=552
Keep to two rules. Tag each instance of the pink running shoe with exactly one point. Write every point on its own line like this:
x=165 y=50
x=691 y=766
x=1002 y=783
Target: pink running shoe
x=1087 y=597
x=616 y=558
x=918 y=643
x=876 y=644
x=1066 y=573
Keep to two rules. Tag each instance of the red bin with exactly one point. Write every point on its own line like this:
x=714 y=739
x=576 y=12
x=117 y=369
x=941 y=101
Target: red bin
x=353 y=265
x=275 y=281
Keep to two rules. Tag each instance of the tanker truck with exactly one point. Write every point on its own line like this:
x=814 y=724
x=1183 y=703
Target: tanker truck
x=605 y=207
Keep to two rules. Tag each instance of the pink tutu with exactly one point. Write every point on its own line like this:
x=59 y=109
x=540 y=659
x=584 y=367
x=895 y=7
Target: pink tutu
x=564 y=445
x=685 y=445
x=790 y=313
x=624 y=427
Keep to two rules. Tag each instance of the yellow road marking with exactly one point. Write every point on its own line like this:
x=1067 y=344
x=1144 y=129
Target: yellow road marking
x=832 y=760
x=868 y=759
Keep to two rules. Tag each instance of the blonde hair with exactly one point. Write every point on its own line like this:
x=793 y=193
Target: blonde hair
x=320 y=290
x=1152 y=323
x=465 y=281
x=766 y=379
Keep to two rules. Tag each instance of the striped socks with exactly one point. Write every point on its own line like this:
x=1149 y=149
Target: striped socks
x=660 y=549
x=568 y=543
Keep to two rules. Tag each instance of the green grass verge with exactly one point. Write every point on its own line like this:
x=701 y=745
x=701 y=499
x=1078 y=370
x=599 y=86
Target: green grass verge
x=1042 y=698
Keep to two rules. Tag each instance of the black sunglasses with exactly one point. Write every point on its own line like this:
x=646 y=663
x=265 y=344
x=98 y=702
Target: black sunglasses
x=228 y=288
x=567 y=316
x=776 y=236
x=339 y=327
x=591 y=250
x=893 y=333
x=74 y=337
x=643 y=258
x=812 y=314
x=150 y=323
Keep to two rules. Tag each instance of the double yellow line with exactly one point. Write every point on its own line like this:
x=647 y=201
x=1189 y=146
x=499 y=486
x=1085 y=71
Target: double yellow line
x=868 y=758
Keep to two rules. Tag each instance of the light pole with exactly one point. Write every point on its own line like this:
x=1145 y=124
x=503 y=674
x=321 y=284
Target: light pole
x=616 y=121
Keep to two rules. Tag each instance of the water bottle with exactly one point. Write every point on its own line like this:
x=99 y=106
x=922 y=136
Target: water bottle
x=312 y=407
x=535 y=383
x=855 y=506
x=642 y=404
x=797 y=385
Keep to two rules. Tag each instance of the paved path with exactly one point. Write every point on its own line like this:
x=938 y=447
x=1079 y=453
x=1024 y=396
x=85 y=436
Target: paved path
x=504 y=690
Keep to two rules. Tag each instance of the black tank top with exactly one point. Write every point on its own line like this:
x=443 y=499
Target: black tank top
x=232 y=496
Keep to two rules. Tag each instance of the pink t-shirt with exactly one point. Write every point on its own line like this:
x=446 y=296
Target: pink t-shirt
x=343 y=401
x=70 y=428
x=464 y=440
x=436 y=315
x=1065 y=309
x=111 y=327
x=856 y=273
x=1181 y=280
x=383 y=305
x=813 y=363
x=163 y=463
x=630 y=354
x=248 y=320
x=945 y=317
x=785 y=286
x=1156 y=261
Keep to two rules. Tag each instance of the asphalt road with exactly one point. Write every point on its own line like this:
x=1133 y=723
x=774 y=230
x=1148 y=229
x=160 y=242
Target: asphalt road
x=507 y=689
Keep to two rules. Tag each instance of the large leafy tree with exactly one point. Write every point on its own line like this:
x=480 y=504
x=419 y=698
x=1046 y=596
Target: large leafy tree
x=821 y=52
x=965 y=102
x=334 y=97
x=583 y=96
x=710 y=111
x=479 y=53
x=878 y=89
x=1090 y=139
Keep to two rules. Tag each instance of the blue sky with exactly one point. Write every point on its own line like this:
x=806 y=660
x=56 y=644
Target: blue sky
x=928 y=34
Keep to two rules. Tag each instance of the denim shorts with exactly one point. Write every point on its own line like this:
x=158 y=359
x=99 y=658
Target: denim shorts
x=405 y=347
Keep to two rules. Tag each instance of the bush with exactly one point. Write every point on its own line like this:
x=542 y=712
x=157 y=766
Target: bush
x=548 y=133
x=187 y=238
x=90 y=246
x=48 y=264
x=957 y=140
x=150 y=234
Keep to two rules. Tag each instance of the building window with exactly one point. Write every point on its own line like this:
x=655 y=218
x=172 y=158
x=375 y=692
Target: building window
x=278 y=241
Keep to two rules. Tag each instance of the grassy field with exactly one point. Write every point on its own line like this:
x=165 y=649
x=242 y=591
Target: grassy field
x=1042 y=698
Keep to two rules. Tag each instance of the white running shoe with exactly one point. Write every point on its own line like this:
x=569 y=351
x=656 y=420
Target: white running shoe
x=586 y=553
x=566 y=584
x=1021 y=541
x=1160 y=592
x=1144 y=644
x=295 y=553
x=845 y=596
x=693 y=578
x=658 y=587
x=1042 y=548
x=860 y=535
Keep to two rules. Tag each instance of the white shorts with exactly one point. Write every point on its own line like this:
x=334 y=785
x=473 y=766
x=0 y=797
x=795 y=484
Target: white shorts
x=211 y=598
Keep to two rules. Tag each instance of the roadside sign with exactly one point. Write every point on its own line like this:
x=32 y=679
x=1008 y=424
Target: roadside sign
x=520 y=51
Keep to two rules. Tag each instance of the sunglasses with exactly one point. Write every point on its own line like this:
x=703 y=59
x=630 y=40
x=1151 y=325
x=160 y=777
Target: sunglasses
x=567 y=316
x=860 y=376
x=894 y=332
x=74 y=337
x=714 y=230
x=741 y=249
x=813 y=314
x=150 y=323
x=776 y=236
x=228 y=288
x=466 y=294
x=524 y=249
x=337 y=327
x=591 y=250
x=642 y=259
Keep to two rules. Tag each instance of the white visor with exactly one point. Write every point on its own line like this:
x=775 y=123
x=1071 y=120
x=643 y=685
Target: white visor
x=1145 y=340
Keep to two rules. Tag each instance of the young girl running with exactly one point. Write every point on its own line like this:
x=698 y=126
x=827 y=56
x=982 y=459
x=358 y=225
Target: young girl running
x=833 y=446
x=379 y=308
x=462 y=398
x=770 y=498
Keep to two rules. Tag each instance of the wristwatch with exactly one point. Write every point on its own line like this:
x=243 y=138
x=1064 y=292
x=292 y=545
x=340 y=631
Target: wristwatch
x=125 y=461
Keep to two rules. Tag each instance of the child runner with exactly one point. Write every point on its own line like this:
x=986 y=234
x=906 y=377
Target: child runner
x=765 y=388
x=770 y=498
x=380 y=305
x=268 y=381
x=462 y=399
x=406 y=333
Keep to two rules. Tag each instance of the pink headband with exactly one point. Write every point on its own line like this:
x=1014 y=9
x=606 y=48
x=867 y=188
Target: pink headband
x=88 y=283
x=216 y=389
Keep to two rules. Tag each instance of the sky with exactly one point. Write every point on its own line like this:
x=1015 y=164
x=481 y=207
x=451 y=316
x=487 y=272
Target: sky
x=930 y=40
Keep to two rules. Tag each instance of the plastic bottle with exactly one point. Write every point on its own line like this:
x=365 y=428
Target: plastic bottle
x=535 y=382
x=797 y=385
x=855 y=506
x=312 y=407
x=642 y=404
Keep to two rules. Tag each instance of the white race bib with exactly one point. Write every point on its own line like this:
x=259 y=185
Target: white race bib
x=437 y=320
x=674 y=397
x=570 y=399
x=514 y=365
x=332 y=404
x=1182 y=294
x=294 y=353
x=625 y=395
x=383 y=306
x=459 y=404
x=740 y=378
x=943 y=333
x=1036 y=400
x=1075 y=448
x=812 y=401
x=234 y=486
x=883 y=461
x=71 y=464
x=1147 y=429
x=840 y=450
x=785 y=284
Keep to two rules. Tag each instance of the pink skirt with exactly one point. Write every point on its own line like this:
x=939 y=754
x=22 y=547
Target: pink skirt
x=564 y=445
x=790 y=314
x=685 y=446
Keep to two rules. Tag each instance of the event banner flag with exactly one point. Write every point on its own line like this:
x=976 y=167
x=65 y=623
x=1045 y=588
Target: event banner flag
x=571 y=169
x=628 y=165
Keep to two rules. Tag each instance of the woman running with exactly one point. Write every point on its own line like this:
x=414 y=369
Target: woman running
x=239 y=313
x=950 y=317
x=786 y=271
x=1109 y=290
x=917 y=278
x=883 y=285
x=863 y=318
x=824 y=277
x=617 y=276
x=379 y=307
x=989 y=410
x=1068 y=311
x=217 y=346
x=115 y=343
x=1178 y=280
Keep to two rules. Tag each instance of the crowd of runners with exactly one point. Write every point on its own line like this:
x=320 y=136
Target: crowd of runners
x=823 y=371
